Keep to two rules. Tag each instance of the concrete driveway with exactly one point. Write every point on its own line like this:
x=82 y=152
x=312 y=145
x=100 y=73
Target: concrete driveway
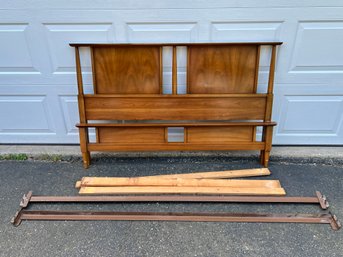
x=127 y=238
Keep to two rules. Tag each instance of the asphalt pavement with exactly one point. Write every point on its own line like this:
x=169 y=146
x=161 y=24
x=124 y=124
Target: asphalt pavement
x=300 y=177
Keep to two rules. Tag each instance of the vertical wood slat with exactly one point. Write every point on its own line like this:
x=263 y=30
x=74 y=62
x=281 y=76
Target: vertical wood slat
x=185 y=135
x=257 y=67
x=83 y=132
x=269 y=104
x=268 y=131
x=166 y=134
x=256 y=84
x=78 y=71
x=80 y=86
x=272 y=70
x=185 y=130
x=161 y=70
x=93 y=70
x=187 y=83
x=254 y=131
x=94 y=87
x=187 y=71
x=174 y=72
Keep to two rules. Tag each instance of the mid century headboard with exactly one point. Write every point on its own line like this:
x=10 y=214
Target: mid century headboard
x=220 y=110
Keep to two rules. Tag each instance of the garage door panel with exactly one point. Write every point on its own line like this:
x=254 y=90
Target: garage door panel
x=60 y=35
x=18 y=60
x=36 y=60
x=70 y=113
x=310 y=114
x=318 y=48
x=305 y=118
x=162 y=31
x=20 y=114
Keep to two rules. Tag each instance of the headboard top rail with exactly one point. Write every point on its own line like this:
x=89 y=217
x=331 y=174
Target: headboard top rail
x=173 y=44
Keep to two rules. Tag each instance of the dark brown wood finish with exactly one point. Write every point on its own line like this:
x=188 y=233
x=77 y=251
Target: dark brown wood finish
x=219 y=112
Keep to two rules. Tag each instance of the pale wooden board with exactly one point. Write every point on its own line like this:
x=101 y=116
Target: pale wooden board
x=132 y=181
x=182 y=190
x=220 y=174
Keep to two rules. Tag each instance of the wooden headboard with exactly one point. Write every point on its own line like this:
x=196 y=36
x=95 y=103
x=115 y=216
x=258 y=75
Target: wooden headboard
x=220 y=110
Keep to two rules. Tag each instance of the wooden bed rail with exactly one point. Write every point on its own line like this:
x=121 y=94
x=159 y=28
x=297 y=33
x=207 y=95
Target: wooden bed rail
x=220 y=110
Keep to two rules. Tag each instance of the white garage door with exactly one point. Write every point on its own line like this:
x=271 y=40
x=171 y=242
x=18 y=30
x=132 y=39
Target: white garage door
x=37 y=74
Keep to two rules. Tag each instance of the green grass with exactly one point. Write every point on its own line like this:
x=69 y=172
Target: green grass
x=23 y=157
x=14 y=157
x=50 y=157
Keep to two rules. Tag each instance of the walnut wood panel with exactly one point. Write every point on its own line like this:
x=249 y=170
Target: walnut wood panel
x=131 y=135
x=210 y=135
x=127 y=70
x=175 y=108
x=222 y=69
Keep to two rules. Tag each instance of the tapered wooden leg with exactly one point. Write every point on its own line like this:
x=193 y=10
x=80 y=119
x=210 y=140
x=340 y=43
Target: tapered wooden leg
x=262 y=157
x=86 y=159
x=266 y=159
x=267 y=138
x=83 y=132
x=262 y=151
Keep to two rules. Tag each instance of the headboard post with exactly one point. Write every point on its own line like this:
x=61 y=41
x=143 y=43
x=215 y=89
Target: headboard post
x=83 y=132
x=174 y=71
x=267 y=133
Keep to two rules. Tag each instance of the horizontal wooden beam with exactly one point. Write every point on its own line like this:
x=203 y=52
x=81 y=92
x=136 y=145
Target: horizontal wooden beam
x=182 y=190
x=209 y=175
x=169 y=96
x=178 y=124
x=176 y=146
x=172 y=44
x=156 y=181
x=175 y=108
x=219 y=174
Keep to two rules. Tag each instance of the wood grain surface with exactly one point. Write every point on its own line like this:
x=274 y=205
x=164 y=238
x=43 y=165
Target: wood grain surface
x=156 y=181
x=175 y=108
x=127 y=70
x=221 y=69
x=182 y=190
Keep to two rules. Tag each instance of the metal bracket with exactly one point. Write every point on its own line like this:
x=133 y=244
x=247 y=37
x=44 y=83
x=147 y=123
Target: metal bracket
x=26 y=199
x=324 y=204
x=334 y=222
x=16 y=220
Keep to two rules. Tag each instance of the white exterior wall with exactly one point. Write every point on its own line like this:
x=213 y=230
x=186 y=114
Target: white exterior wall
x=37 y=70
